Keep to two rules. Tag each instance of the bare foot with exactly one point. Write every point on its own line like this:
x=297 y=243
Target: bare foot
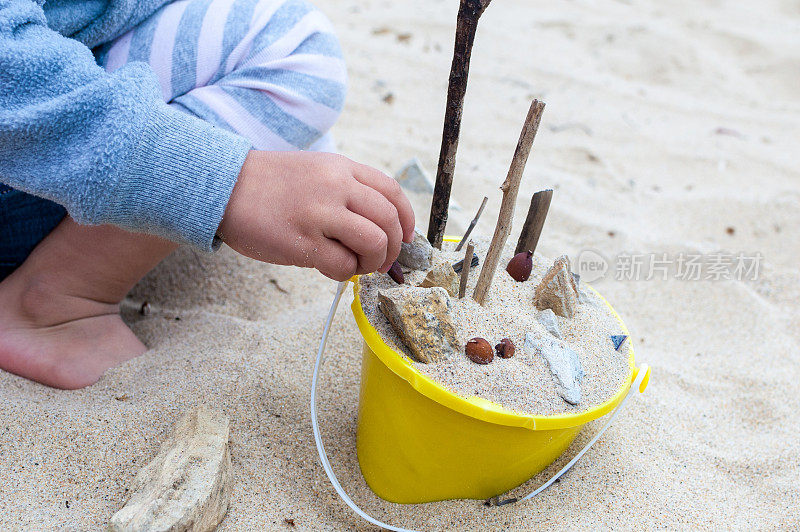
x=71 y=351
x=59 y=311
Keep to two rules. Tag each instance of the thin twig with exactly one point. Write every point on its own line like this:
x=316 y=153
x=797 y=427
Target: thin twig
x=534 y=222
x=510 y=188
x=462 y=287
x=278 y=287
x=469 y=12
x=472 y=224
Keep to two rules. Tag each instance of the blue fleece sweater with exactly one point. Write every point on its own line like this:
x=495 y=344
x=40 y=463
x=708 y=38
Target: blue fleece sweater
x=105 y=146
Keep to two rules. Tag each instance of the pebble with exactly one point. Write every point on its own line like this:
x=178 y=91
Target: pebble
x=416 y=254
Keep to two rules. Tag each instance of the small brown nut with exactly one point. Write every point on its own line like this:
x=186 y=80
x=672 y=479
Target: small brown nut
x=505 y=349
x=520 y=266
x=396 y=273
x=479 y=351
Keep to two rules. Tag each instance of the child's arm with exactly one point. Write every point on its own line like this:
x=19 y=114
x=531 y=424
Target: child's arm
x=106 y=146
x=317 y=210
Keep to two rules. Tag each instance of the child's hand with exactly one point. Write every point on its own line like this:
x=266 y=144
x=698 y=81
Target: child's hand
x=317 y=210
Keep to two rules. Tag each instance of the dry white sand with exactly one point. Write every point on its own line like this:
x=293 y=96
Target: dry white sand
x=636 y=93
x=524 y=382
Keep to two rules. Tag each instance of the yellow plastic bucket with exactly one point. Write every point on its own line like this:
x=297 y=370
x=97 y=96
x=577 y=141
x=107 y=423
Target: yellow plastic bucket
x=418 y=442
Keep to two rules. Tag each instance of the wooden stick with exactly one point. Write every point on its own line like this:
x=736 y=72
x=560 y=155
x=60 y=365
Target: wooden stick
x=462 y=287
x=472 y=224
x=510 y=188
x=532 y=228
x=469 y=12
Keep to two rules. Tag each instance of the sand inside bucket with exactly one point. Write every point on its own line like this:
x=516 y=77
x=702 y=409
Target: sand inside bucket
x=522 y=383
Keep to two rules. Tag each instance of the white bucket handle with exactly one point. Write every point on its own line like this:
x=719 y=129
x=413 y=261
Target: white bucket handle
x=323 y=456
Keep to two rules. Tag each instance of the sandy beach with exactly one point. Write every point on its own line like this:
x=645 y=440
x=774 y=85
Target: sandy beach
x=669 y=129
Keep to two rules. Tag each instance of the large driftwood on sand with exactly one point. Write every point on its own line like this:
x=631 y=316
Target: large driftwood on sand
x=187 y=485
x=510 y=188
x=469 y=12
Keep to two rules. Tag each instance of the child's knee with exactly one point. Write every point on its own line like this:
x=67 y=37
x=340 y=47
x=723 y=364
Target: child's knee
x=280 y=78
x=294 y=71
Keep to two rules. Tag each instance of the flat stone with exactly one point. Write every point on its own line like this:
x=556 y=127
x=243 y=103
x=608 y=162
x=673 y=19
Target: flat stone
x=444 y=276
x=548 y=319
x=564 y=364
x=412 y=176
x=418 y=187
x=417 y=254
x=187 y=485
x=558 y=290
x=421 y=318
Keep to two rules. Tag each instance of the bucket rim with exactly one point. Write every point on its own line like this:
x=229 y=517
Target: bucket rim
x=477 y=407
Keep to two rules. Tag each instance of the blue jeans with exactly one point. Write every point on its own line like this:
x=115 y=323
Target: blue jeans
x=24 y=221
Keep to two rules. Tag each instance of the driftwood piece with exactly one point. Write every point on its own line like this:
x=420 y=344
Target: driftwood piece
x=472 y=224
x=462 y=287
x=534 y=222
x=469 y=12
x=187 y=485
x=510 y=188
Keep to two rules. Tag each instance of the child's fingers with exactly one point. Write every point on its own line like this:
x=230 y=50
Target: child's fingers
x=362 y=237
x=391 y=190
x=335 y=261
x=373 y=206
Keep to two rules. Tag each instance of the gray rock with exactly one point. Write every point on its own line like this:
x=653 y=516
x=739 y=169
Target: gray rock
x=585 y=296
x=548 y=319
x=564 y=364
x=417 y=254
x=187 y=485
x=558 y=290
x=421 y=318
x=418 y=187
x=443 y=275
x=412 y=176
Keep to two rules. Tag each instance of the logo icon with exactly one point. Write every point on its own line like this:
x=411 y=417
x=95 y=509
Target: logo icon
x=592 y=266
